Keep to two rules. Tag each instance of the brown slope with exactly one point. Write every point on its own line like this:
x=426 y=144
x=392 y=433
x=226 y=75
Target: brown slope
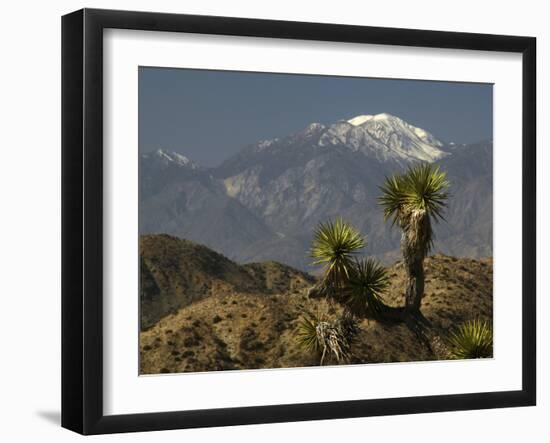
x=176 y=272
x=242 y=330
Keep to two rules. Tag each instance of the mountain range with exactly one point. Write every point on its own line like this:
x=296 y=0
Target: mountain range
x=264 y=202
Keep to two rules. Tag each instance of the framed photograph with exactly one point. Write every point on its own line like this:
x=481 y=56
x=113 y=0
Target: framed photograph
x=269 y=221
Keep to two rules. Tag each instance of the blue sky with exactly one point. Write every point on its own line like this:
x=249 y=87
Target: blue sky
x=210 y=115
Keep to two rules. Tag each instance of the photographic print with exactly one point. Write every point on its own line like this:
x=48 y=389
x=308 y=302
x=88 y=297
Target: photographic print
x=290 y=220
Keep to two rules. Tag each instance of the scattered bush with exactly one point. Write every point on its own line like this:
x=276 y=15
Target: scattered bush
x=190 y=341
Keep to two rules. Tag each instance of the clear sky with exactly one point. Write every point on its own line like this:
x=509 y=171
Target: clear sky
x=210 y=115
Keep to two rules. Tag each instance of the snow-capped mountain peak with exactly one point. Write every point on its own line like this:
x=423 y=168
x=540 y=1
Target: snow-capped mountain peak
x=360 y=119
x=380 y=137
x=386 y=137
x=171 y=157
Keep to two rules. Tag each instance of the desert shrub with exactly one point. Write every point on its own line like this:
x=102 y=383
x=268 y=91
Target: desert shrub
x=473 y=339
x=328 y=339
x=250 y=340
x=190 y=341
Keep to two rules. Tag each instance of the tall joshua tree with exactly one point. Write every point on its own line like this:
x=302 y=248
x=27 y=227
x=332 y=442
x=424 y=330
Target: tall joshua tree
x=414 y=200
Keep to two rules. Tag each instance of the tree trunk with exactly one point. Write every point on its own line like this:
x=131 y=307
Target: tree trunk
x=414 y=244
x=414 y=290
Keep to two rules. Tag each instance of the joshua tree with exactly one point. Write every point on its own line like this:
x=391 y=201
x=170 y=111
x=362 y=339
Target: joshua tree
x=415 y=200
x=334 y=246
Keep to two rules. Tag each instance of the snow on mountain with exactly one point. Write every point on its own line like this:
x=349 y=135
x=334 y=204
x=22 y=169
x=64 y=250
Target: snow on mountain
x=401 y=140
x=360 y=119
x=383 y=137
x=172 y=158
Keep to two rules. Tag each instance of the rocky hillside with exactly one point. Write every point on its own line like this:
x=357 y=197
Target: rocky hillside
x=248 y=316
x=263 y=202
x=175 y=273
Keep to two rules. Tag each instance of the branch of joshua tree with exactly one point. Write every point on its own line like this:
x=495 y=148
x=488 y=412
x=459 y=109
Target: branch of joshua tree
x=334 y=246
x=363 y=295
x=420 y=188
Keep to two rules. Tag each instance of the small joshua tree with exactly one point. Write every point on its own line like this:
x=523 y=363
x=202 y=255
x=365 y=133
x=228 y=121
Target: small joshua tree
x=415 y=200
x=356 y=284
x=334 y=246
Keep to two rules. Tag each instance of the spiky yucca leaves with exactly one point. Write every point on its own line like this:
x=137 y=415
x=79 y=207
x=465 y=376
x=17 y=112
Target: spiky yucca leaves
x=332 y=339
x=307 y=332
x=334 y=245
x=473 y=339
x=368 y=281
x=413 y=200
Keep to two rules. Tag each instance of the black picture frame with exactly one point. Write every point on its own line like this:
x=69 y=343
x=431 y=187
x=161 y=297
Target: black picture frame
x=82 y=218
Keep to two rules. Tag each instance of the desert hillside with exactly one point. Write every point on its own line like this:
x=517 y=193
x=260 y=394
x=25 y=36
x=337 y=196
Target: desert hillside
x=176 y=272
x=204 y=312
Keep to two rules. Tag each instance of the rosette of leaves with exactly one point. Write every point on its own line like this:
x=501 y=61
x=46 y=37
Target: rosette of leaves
x=473 y=339
x=368 y=281
x=335 y=245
